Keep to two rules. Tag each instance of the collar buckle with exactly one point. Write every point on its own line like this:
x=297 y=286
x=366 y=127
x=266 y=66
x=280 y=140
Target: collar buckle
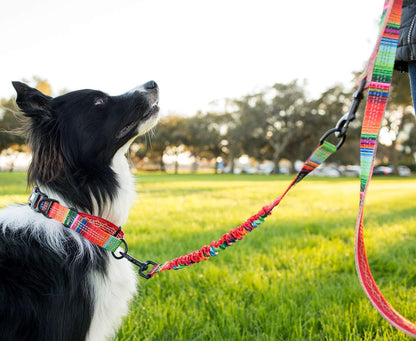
x=39 y=202
x=35 y=198
x=45 y=206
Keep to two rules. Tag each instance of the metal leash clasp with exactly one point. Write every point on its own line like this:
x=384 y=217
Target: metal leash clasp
x=342 y=125
x=143 y=266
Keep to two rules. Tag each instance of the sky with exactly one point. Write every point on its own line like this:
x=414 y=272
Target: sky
x=198 y=51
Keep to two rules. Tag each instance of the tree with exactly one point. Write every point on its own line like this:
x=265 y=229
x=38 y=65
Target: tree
x=398 y=119
x=9 y=125
x=206 y=132
x=331 y=106
x=410 y=143
x=277 y=123
x=10 y=122
x=170 y=133
x=43 y=85
x=234 y=137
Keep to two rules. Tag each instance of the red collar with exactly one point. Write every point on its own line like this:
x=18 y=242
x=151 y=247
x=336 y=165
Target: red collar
x=97 y=230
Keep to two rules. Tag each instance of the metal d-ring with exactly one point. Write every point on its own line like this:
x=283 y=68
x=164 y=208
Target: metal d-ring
x=122 y=254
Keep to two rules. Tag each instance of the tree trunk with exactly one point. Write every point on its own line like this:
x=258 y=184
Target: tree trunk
x=232 y=163
x=277 y=150
x=194 y=166
x=395 y=158
x=162 y=164
x=292 y=166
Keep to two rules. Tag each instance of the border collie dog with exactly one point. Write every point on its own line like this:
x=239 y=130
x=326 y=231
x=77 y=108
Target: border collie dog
x=55 y=284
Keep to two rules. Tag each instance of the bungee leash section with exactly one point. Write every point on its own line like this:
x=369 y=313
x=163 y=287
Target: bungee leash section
x=377 y=79
x=321 y=153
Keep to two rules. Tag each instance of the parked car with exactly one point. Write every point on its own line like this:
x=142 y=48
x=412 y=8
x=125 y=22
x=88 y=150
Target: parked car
x=404 y=171
x=265 y=168
x=326 y=171
x=383 y=170
x=389 y=170
x=249 y=170
x=351 y=171
x=227 y=170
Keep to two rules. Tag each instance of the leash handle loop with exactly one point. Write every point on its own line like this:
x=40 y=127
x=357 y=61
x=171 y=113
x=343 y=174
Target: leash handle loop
x=381 y=68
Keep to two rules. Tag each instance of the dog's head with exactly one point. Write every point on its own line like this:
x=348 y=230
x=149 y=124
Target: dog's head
x=79 y=133
x=90 y=122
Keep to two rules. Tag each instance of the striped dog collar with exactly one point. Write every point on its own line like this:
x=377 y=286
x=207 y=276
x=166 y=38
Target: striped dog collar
x=97 y=230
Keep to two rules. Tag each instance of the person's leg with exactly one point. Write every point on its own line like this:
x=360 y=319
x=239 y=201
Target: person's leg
x=412 y=77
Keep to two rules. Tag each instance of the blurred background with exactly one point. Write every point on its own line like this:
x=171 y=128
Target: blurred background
x=246 y=86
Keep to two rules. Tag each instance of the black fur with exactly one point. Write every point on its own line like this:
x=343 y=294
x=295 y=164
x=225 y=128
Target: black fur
x=73 y=140
x=46 y=294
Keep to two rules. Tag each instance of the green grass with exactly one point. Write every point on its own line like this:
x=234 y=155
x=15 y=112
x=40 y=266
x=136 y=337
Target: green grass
x=291 y=279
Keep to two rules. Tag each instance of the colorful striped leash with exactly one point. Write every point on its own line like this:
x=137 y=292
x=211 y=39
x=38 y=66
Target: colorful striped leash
x=381 y=69
x=110 y=237
x=380 y=65
x=320 y=154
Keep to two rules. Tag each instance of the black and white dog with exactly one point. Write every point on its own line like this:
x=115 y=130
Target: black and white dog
x=54 y=284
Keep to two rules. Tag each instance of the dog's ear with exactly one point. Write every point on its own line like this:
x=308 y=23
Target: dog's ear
x=31 y=101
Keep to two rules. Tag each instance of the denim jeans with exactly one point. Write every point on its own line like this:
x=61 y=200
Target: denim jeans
x=412 y=77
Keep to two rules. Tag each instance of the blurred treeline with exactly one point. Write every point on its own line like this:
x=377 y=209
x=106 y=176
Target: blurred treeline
x=280 y=122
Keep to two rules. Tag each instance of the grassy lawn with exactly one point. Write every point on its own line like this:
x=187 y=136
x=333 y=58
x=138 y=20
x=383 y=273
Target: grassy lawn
x=291 y=279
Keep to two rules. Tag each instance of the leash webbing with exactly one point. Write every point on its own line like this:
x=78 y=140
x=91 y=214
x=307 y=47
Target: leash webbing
x=320 y=154
x=377 y=100
x=110 y=237
x=380 y=66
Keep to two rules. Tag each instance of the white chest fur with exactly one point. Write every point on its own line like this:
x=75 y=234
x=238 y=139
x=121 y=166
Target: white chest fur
x=113 y=294
x=113 y=290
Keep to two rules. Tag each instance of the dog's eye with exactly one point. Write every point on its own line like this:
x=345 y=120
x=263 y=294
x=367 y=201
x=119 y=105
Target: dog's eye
x=98 y=101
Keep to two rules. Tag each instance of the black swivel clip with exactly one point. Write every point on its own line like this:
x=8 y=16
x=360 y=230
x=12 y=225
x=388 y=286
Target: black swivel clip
x=143 y=266
x=340 y=130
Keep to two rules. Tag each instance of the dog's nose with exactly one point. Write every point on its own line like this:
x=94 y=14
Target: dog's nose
x=151 y=85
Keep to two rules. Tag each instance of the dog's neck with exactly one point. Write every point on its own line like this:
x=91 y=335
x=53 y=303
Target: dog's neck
x=117 y=209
